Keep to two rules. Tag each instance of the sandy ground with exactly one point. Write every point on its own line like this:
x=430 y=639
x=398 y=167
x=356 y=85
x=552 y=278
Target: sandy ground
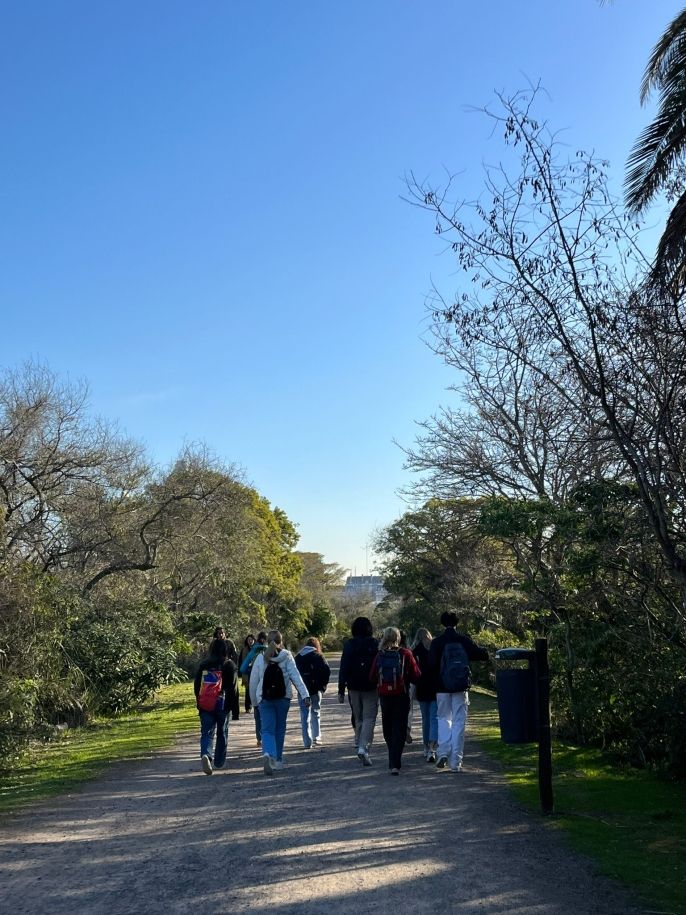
x=323 y=835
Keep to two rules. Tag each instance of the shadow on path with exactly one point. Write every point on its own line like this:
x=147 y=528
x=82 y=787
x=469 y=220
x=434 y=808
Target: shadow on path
x=323 y=835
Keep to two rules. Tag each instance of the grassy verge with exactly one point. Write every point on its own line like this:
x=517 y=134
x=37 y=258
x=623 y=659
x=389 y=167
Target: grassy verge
x=631 y=823
x=82 y=753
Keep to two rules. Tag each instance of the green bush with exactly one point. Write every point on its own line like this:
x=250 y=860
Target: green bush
x=628 y=695
x=124 y=655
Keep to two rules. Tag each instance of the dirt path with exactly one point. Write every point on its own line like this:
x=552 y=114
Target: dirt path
x=323 y=835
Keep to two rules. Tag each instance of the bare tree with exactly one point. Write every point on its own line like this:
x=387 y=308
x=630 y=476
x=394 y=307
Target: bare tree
x=557 y=278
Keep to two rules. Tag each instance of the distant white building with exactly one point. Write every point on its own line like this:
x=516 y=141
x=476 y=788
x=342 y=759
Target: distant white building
x=360 y=585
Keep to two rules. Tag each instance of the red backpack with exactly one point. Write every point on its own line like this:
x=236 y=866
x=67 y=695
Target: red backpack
x=210 y=690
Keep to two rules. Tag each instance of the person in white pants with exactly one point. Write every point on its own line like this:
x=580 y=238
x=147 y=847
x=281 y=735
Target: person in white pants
x=449 y=656
x=452 y=720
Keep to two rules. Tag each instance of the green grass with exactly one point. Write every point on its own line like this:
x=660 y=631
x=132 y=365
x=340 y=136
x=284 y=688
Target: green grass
x=632 y=824
x=82 y=753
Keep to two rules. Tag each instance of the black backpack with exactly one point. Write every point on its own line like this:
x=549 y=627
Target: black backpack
x=360 y=664
x=455 y=672
x=273 y=684
x=307 y=665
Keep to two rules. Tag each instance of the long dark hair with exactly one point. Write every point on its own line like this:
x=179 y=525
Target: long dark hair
x=362 y=627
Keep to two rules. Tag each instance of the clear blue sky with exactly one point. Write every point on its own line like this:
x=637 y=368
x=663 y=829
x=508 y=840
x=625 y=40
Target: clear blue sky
x=201 y=213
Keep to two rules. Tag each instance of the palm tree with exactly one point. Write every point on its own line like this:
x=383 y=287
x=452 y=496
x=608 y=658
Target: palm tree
x=656 y=162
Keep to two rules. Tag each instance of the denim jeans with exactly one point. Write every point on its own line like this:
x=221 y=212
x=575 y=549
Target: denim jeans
x=211 y=722
x=273 y=713
x=429 y=712
x=452 y=719
x=309 y=719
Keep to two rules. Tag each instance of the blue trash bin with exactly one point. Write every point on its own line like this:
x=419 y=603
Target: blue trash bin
x=515 y=683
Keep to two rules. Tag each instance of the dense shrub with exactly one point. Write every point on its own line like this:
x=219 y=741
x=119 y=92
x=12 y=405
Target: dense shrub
x=124 y=654
x=628 y=694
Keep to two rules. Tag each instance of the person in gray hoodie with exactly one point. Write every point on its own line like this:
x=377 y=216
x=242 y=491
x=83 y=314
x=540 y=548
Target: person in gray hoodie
x=315 y=672
x=271 y=677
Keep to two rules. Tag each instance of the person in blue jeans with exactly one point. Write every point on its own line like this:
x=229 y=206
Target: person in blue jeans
x=272 y=675
x=425 y=693
x=214 y=722
x=245 y=669
x=315 y=672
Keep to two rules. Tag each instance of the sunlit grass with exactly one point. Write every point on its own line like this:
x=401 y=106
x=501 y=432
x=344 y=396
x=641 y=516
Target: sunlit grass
x=82 y=753
x=631 y=823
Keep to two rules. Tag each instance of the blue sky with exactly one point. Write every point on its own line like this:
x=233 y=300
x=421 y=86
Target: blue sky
x=202 y=213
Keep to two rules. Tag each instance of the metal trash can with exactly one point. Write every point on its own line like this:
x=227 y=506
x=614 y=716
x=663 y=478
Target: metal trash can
x=515 y=683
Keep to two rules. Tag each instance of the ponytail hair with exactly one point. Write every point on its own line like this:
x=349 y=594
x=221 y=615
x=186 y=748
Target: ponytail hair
x=275 y=644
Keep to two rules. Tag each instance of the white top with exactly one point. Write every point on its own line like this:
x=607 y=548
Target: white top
x=290 y=673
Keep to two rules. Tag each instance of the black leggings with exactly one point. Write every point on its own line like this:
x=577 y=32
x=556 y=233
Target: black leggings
x=394 y=714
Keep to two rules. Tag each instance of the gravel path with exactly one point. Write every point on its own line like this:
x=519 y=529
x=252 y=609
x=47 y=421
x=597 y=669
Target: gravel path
x=323 y=835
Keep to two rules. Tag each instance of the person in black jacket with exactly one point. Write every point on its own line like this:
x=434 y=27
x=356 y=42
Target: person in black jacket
x=215 y=720
x=425 y=693
x=315 y=672
x=449 y=655
x=356 y=663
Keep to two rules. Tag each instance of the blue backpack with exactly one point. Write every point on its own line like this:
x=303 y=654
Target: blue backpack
x=390 y=670
x=455 y=672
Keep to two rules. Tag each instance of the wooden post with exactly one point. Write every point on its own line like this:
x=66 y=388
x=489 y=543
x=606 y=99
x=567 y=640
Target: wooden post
x=545 y=756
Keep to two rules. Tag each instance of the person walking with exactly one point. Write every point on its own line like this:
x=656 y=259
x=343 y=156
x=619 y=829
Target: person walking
x=270 y=690
x=356 y=664
x=248 y=642
x=393 y=670
x=449 y=657
x=245 y=670
x=233 y=702
x=425 y=693
x=214 y=681
x=315 y=672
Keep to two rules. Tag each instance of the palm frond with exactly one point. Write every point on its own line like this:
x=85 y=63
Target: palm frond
x=657 y=150
x=669 y=268
x=669 y=52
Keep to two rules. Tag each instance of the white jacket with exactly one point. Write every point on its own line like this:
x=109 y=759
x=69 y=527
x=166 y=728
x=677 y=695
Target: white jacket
x=290 y=673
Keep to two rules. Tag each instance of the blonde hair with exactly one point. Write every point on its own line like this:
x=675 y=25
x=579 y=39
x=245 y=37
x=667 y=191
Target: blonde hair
x=275 y=644
x=390 y=637
x=422 y=637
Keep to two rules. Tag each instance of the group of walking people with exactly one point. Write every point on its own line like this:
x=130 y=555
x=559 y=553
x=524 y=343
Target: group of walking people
x=269 y=672
x=382 y=673
x=435 y=672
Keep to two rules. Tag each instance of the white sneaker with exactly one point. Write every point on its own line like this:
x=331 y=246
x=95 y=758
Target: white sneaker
x=207 y=765
x=278 y=764
x=318 y=741
x=269 y=764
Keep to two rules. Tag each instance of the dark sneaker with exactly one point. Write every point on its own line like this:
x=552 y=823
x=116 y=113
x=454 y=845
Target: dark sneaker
x=442 y=762
x=269 y=764
x=364 y=758
x=207 y=765
x=431 y=758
